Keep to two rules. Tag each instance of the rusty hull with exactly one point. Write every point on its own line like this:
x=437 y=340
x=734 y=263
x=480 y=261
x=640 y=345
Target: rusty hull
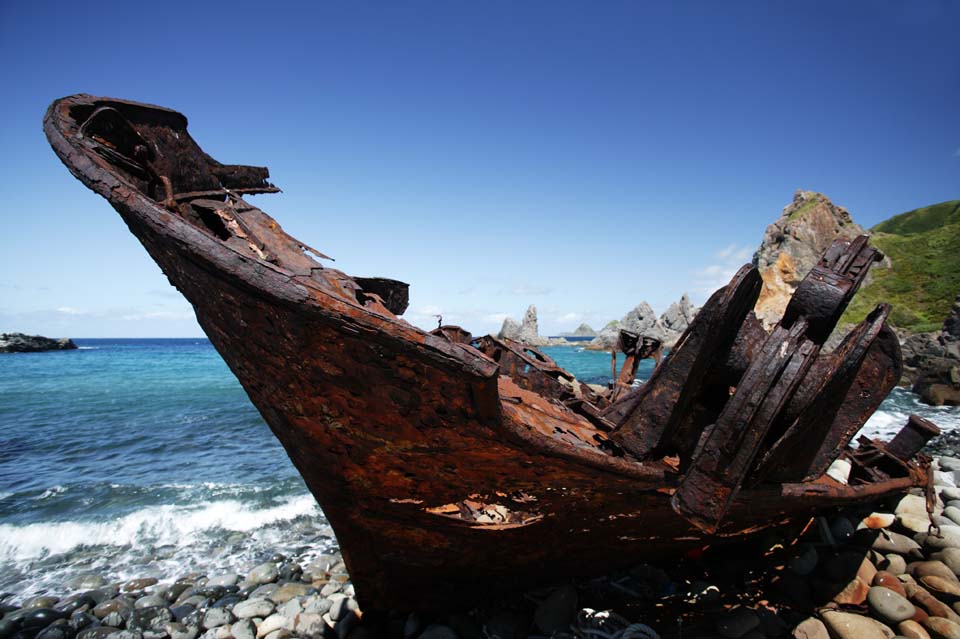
x=451 y=467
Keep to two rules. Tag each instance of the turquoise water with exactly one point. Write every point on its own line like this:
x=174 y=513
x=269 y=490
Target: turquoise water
x=145 y=457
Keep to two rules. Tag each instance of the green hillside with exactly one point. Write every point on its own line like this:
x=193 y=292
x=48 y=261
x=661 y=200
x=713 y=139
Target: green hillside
x=924 y=248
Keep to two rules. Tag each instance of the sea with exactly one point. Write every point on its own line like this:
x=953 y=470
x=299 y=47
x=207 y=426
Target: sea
x=144 y=457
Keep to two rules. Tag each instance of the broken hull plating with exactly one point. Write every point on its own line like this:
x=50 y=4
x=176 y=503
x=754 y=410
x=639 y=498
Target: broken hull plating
x=442 y=479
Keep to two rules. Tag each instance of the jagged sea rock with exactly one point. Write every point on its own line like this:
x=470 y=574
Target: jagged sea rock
x=20 y=343
x=932 y=362
x=792 y=246
x=678 y=316
x=643 y=321
x=509 y=330
x=530 y=328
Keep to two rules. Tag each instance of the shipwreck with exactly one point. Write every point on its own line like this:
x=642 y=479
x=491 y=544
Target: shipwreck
x=450 y=465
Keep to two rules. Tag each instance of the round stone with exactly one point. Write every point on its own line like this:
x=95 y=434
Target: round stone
x=264 y=573
x=805 y=559
x=878 y=520
x=944 y=589
x=253 y=608
x=889 y=605
x=811 y=628
x=896 y=564
x=150 y=601
x=215 y=617
x=845 y=625
x=86 y=581
x=557 y=611
x=949 y=537
x=38 y=618
x=737 y=623
x=243 y=629
x=841 y=528
x=139 y=584
x=41 y=601
x=942 y=628
x=438 y=631
x=886 y=579
x=950 y=557
x=932 y=568
x=271 y=623
x=912 y=505
x=889 y=541
x=912 y=630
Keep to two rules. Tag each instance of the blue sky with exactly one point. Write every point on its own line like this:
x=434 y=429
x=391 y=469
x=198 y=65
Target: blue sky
x=580 y=156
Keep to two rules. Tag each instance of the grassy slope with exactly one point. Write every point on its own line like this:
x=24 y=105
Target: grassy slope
x=924 y=247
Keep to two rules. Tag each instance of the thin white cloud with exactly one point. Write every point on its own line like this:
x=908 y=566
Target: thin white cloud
x=69 y=310
x=728 y=261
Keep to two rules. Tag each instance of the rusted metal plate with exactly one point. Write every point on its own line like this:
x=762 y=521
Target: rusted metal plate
x=477 y=465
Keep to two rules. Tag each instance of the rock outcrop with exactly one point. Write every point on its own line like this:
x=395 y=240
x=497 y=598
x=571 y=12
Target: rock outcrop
x=932 y=362
x=792 y=246
x=678 y=316
x=509 y=330
x=530 y=327
x=20 y=343
x=642 y=320
x=528 y=331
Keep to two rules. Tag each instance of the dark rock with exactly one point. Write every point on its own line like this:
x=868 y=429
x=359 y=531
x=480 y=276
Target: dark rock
x=115 y=619
x=290 y=571
x=506 y=624
x=135 y=585
x=152 y=618
x=41 y=601
x=557 y=611
x=180 y=612
x=112 y=605
x=226 y=601
x=59 y=629
x=439 y=631
x=20 y=343
x=150 y=601
x=75 y=602
x=83 y=620
x=8 y=627
x=42 y=617
x=103 y=594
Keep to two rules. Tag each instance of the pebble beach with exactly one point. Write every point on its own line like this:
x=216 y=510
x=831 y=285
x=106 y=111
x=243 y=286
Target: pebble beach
x=186 y=520
x=890 y=569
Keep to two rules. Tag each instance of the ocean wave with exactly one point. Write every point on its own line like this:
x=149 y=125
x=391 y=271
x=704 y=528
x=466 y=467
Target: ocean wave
x=51 y=492
x=155 y=525
x=897 y=408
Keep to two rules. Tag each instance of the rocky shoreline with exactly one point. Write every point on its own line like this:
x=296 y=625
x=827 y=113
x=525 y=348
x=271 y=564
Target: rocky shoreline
x=884 y=570
x=22 y=343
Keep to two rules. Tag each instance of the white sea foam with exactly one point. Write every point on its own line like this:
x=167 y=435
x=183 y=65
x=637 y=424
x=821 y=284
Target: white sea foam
x=50 y=492
x=894 y=412
x=88 y=348
x=155 y=525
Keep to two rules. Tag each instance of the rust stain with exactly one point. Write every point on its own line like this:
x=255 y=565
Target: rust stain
x=474 y=463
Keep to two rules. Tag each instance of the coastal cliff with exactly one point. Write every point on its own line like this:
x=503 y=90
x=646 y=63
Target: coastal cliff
x=793 y=244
